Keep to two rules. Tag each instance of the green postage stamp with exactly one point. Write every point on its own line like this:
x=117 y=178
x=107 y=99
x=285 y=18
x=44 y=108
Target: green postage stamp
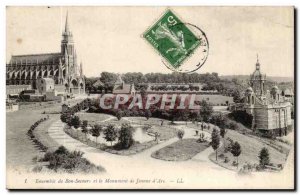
x=172 y=39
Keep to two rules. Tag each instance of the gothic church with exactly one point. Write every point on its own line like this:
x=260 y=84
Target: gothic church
x=62 y=67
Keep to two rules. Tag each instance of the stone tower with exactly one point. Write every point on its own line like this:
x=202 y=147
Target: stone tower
x=68 y=52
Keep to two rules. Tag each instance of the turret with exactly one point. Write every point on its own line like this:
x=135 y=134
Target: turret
x=60 y=72
x=80 y=70
x=249 y=96
x=275 y=93
x=75 y=63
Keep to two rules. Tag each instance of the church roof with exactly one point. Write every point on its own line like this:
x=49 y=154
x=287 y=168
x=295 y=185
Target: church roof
x=257 y=75
x=98 y=83
x=249 y=89
x=288 y=92
x=125 y=89
x=48 y=80
x=36 y=58
x=275 y=87
x=119 y=80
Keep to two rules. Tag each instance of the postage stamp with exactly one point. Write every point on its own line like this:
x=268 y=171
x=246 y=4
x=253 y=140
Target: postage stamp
x=174 y=40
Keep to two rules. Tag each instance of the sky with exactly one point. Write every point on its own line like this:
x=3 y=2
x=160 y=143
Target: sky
x=110 y=38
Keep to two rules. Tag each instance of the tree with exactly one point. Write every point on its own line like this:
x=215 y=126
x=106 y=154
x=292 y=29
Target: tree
x=119 y=114
x=180 y=134
x=148 y=114
x=201 y=139
x=84 y=128
x=96 y=131
x=205 y=110
x=236 y=96
x=126 y=136
x=199 y=119
x=215 y=141
x=236 y=151
x=108 y=79
x=242 y=117
x=264 y=158
x=64 y=117
x=75 y=122
x=110 y=134
x=222 y=134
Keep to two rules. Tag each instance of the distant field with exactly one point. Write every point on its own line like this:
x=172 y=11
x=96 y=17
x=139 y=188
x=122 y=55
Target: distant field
x=215 y=99
x=246 y=77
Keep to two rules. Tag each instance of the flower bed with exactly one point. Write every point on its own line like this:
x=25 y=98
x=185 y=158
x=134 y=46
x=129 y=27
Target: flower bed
x=137 y=147
x=181 y=150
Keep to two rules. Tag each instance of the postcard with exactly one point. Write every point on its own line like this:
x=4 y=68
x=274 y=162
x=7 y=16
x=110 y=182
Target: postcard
x=157 y=98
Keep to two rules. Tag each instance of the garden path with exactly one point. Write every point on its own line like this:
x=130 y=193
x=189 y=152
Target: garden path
x=199 y=172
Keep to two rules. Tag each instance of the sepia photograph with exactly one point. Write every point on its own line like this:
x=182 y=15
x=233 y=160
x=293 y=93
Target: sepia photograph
x=150 y=97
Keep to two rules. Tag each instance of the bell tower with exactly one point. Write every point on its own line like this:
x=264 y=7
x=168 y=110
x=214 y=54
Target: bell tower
x=67 y=41
x=67 y=47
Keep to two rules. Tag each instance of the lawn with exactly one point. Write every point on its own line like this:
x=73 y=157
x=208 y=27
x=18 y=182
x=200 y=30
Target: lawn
x=152 y=121
x=20 y=150
x=250 y=151
x=101 y=143
x=143 y=140
x=165 y=131
x=92 y=118
x=41 y=132
x=181 y=150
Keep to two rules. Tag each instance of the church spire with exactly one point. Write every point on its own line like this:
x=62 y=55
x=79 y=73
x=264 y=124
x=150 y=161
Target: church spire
x=67 y=24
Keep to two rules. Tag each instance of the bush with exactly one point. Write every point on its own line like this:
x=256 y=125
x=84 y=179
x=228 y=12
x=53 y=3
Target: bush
x=37 y=169
x=126 y=136
x=264 y=158
x=202 y=138
x=61 y=151
x=147 y=114
x=233 y=125
x=75 y=122
x=242 y=117
x=110 y=133
x=234 y=163
x=65 y=117
x=119 y=114
x=62 y=159
x=180 y=134
x=47 y=156
x=226 y=159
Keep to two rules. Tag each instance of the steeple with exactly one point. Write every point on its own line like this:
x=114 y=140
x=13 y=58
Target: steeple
x=67 y=43
x=67 y=24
